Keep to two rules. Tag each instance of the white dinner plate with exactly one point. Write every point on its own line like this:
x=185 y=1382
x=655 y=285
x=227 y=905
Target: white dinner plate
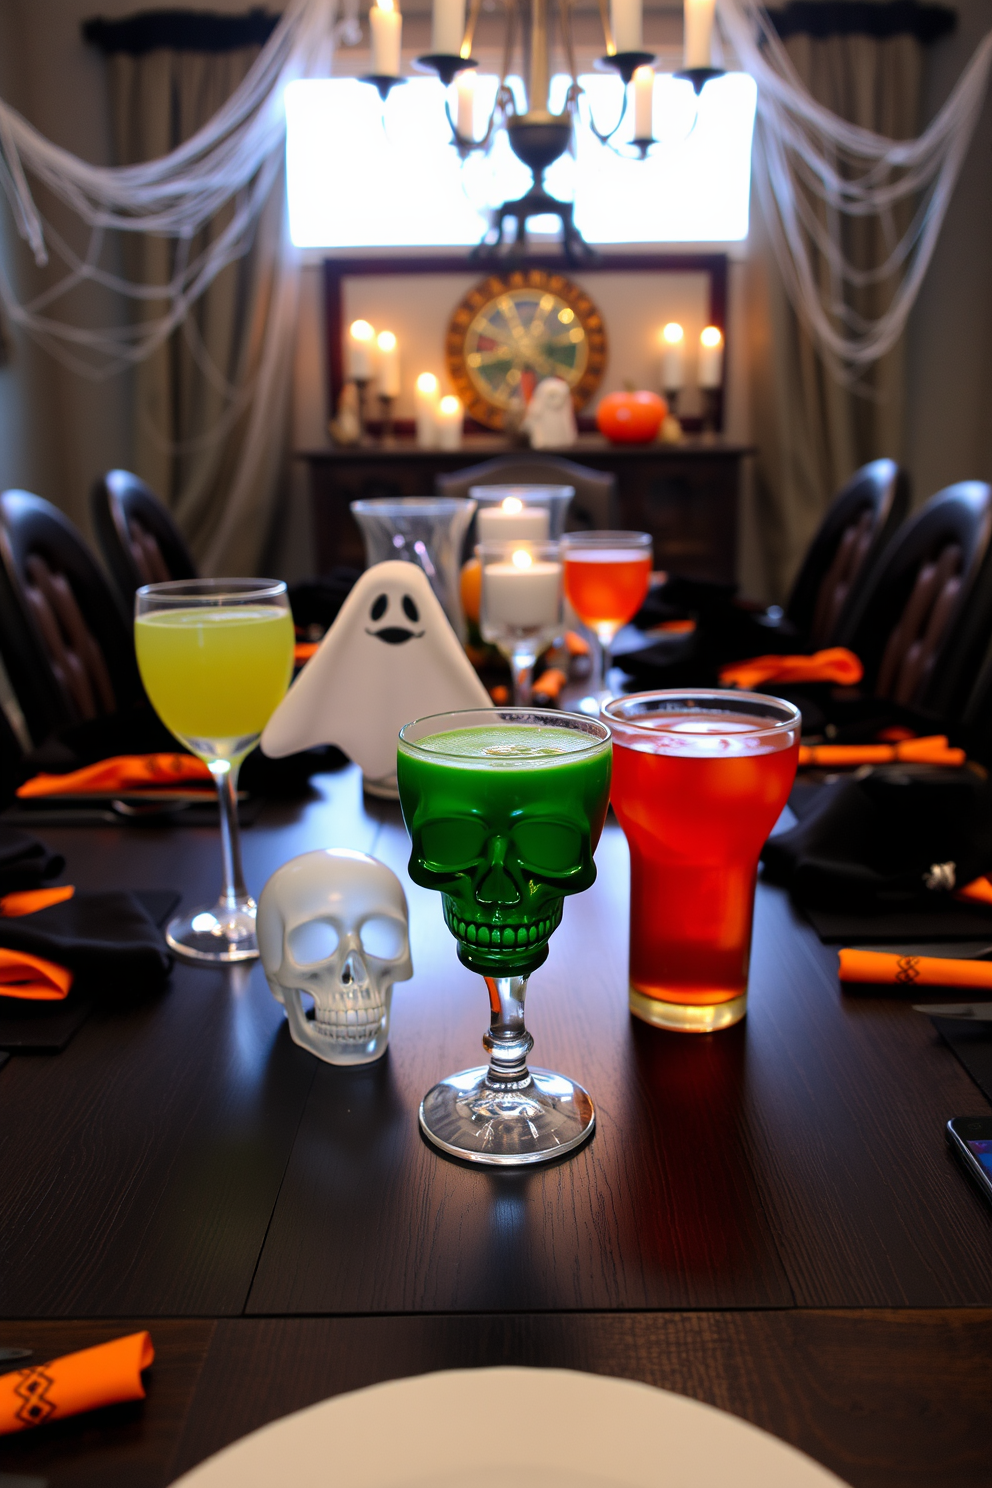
x=543 y=1428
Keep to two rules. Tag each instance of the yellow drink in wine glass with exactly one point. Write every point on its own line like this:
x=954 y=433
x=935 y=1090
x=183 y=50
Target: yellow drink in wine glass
x=216 y=675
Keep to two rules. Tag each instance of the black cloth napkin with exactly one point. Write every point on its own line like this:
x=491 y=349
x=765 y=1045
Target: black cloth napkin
x=972 y=1043
x=25 y=862
x=108 y=939
x=898 y=839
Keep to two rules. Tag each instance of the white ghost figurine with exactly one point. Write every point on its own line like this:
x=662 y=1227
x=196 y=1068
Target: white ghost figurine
x=390 y=656
x=550 y=417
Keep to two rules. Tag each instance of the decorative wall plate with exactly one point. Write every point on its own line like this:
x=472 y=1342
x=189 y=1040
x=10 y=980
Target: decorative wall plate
x=522 y=326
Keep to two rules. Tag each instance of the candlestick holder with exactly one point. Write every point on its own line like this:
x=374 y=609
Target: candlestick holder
x=386 y=401
x=712 y=408
x=625 y=63
x=382 y=82
x=361 y=383
x=671 y=427
x=699 y=76
x=446 y=65
x=642 y=146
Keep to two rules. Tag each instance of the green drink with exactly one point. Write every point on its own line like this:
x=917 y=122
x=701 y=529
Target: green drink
x=505 y=809
x=504 y=821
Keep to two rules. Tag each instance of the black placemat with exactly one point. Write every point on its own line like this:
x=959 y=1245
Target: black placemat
x=46 y=1027
x=946 y=919
x=972 y=1043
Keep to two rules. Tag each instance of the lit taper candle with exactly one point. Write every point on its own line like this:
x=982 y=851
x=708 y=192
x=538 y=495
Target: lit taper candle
x=386 y=26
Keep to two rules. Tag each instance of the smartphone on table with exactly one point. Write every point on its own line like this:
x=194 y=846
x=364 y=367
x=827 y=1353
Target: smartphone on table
x=971 y=1139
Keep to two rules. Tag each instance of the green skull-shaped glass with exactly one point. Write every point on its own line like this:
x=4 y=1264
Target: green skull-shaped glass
x=505 y=808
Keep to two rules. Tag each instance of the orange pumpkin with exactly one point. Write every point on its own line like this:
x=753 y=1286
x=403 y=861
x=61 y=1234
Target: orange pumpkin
x=631 y=418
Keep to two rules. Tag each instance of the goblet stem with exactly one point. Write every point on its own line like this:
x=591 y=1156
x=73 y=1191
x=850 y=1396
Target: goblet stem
x=522 y=665
x=234 y=894
x=508 y=1043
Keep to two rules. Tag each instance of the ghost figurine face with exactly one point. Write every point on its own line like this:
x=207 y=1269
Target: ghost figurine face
x=389 y=657
x=550 y=417
x=333 y=924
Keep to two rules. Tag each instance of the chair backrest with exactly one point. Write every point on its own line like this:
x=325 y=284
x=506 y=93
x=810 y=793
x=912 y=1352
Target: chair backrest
x=138 y=537
x=923 y=619
x=594 y=503
x=855 y=530
x=65 y=640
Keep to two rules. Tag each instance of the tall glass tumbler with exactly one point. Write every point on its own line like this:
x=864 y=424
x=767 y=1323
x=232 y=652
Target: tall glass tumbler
x=699 y=780
x=216 y=657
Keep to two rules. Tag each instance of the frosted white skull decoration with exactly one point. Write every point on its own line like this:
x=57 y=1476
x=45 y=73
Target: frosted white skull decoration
x=333 y=924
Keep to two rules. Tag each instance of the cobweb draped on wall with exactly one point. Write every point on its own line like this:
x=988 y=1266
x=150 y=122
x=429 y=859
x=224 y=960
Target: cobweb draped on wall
x=820 y=173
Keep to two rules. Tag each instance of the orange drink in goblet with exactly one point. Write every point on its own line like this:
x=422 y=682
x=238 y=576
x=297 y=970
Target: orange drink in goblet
x=699 y=780
x=607 y=576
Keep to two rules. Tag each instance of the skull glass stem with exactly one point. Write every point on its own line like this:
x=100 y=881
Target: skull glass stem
x=505 y=808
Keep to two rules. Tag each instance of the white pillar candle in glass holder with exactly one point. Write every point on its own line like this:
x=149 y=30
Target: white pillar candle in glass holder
x=521 y=604
x=361 y=339
x=465 y=110
x=388 y=378
x=449 y=423
x=710 y=358
x=428 y=394
x=512 y=520
x=386 y=28
x=673 y=357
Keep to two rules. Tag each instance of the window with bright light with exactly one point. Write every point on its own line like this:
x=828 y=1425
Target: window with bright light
x=362 y=174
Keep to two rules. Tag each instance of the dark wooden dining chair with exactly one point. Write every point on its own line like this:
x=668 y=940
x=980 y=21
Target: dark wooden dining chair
x=856 y=529
x=65 y=640
x=138 y=537
x=593 y=506
x=923 y=621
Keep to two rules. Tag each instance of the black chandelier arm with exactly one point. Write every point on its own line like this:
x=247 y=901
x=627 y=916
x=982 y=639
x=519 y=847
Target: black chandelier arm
x=469 y=146
x=604 y=139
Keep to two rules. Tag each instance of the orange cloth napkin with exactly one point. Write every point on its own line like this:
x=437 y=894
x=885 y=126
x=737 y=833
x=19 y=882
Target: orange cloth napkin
x=123 y=772
x=303 y=650
x=104 y=1375
x=933 y=750
x=979 y=891
x=551 y=682
x=21 y=974
x=836 y=664
x=919 y=971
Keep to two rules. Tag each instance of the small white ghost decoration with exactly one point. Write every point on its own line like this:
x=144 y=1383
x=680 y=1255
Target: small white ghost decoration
x=334 y=924
x=390 y=656
x=550 y=417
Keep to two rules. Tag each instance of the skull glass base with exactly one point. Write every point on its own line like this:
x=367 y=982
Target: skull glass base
x=505 y=808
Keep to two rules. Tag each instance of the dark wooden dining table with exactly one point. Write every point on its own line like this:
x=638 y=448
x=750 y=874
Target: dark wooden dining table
x=767 y=1218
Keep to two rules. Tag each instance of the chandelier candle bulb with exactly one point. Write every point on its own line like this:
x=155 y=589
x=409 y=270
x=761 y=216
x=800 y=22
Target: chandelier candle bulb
x=625 y=18
x=448 y=27
x=465 y=115
x=710 y=358
x=386 y=26
x=428 y=394
x=449 y=423
x=643 y=103
x=389 y=365
x=522 y=592
x=673 y=357
x=512 y=522
x=361 y=337
x=698 y=16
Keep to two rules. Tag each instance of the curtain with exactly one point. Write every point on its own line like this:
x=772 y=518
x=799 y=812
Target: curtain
x=211 y=405
x=864 y=62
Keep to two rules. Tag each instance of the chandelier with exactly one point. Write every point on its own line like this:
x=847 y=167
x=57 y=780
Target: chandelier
x=537 y=136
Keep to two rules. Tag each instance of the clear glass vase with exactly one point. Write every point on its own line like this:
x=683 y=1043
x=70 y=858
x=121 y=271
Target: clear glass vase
x=427 y=530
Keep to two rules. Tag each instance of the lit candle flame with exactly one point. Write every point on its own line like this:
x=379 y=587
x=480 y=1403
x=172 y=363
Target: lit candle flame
x=385 y=4
x=361 y=331
x=512 y=504
x=711 y=336
x=521 y=558
x=673 y=333
x=427 y=383
x=386 y=341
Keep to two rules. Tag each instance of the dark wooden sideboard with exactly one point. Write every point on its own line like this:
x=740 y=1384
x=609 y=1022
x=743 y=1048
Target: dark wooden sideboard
x=685 y=495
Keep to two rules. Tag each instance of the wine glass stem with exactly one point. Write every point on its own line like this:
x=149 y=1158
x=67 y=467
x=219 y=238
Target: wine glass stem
x=605 y=639
x=234 y=895
x=522 y=664
x=508 y=1043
